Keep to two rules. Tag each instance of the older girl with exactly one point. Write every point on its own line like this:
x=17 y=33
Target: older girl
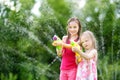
x=68 y=66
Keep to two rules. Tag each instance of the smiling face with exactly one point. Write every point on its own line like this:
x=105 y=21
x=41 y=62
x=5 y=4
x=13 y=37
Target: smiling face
x=73 y=28
x=86 y=42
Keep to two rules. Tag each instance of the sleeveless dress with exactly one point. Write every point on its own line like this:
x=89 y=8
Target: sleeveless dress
x=68 y=68
x=68 y=58
x=87 y=69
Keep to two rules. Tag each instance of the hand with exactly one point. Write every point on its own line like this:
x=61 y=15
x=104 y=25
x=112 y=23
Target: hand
x=57 y=43
x=75 y=49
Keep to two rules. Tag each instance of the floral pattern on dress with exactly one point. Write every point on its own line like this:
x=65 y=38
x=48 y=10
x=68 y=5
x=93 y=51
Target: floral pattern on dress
x=87 y=70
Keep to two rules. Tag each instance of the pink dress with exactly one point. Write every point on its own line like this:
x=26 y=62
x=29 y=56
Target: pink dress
x=87 y=69
x=68 y=68
x=68 y=59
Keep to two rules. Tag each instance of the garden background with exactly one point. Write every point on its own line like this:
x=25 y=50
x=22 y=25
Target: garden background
x=27 y=28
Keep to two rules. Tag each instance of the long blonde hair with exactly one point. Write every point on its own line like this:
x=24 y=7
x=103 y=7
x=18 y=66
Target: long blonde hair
x=92 y=37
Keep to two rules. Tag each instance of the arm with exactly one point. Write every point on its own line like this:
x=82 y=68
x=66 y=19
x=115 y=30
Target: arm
x=62 y=43
x=68 y=45
x=89 y=55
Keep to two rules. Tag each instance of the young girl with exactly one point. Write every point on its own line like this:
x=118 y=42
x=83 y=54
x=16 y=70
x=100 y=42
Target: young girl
x=68 y=66
x=87 y=68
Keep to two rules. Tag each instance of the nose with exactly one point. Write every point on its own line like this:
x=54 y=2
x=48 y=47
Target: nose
x=72 y=29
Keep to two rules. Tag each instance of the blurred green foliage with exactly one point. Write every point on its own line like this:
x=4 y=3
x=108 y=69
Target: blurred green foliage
x=25 y=39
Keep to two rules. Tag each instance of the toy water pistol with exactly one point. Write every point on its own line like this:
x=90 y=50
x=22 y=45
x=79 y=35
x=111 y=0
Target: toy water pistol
x=73 y=44
x=57 y=39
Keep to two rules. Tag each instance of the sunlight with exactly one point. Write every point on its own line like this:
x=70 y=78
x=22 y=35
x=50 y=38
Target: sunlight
x=12 y=5
x=35 y=9
x=80 y=3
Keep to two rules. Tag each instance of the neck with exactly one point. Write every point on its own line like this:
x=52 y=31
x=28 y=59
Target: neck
x=73 y=37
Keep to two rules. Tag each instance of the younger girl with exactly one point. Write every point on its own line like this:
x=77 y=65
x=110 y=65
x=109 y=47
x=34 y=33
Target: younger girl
x=87 y=68
x=68 y=66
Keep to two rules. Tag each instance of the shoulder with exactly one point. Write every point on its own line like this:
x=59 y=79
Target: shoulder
x=94 y=52
x=64 y=38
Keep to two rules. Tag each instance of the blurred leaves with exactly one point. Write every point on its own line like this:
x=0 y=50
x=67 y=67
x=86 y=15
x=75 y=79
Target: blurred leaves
x=25 y=40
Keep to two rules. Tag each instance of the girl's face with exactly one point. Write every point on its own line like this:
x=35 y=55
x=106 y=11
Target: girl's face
x=73 y=28
x=86 y=42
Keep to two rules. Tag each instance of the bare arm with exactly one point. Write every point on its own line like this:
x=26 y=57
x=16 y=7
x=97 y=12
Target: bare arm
x=62 y=43
x=88 y=55
x=68 y=45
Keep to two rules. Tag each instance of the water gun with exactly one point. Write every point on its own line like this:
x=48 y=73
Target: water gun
x=73 y=44
x=57 y=39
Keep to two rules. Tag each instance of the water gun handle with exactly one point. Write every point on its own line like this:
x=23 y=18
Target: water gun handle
x=58 y=47
x=57 y=39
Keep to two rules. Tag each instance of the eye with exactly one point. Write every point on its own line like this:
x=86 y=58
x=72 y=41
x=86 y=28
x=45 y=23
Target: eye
x=74 y=26
x=86 y=40
x=69 y=27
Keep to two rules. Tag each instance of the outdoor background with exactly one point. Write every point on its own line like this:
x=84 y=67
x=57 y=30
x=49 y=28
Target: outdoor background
x=27 y=28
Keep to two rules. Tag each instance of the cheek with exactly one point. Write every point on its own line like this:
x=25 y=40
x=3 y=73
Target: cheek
x=77 y=29
x=83 y=45
x=91 y=44
x=69 y=30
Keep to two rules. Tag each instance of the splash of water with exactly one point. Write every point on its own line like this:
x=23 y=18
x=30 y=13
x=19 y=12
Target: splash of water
x=102 y=39
x=35 y=38
x=51 y=13
x=35 y=9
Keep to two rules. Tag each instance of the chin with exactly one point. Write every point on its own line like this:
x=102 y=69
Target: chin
x=72 y=34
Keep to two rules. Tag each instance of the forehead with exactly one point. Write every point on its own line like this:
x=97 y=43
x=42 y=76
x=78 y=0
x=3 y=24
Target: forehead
x=85 y=37
x=73 y=23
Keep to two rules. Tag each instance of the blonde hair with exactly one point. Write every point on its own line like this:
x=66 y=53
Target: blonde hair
x=92 y=37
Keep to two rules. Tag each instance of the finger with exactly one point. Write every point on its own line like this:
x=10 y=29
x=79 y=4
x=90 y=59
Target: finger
x=54 y=44
x=73 y=49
